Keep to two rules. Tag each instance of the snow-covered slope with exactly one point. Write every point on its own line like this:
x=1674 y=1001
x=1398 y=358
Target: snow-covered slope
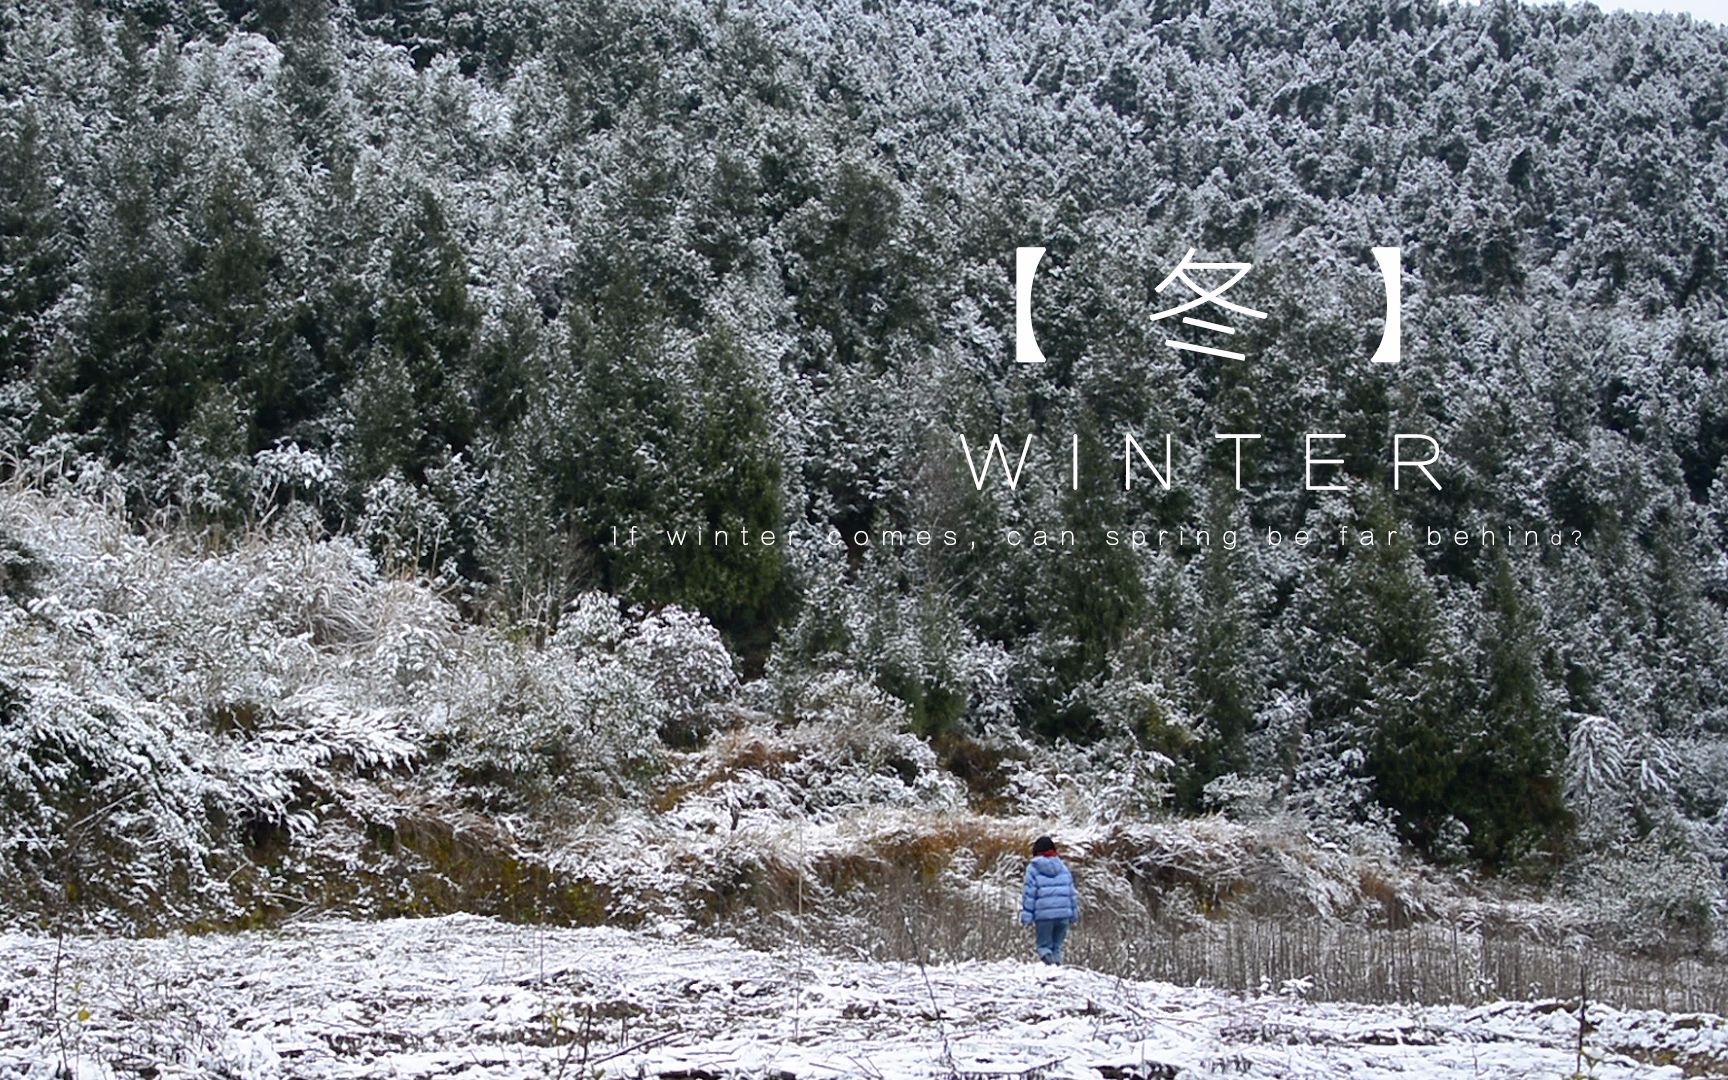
x=468 y=996
x=224 y=736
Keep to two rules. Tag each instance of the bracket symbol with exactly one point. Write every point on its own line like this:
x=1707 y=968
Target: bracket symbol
x=1026 y=349
x=1391 y=341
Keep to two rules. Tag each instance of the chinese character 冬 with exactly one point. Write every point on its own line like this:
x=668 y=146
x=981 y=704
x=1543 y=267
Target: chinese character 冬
x=1204 y=295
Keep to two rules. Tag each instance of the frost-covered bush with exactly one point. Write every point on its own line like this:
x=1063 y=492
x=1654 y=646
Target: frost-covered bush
x=286 y=472
x=170 y=712
x=207 y=473
x=843 y=753
x=911 y=645
x=97 y=804
x=581 y=715
x=689 y=668
x=1241 y=798
x=402 y=523
x=1654 y=894
x=1332 y=798
x=1133 y=785
x=1614 y=777
x=20 y=569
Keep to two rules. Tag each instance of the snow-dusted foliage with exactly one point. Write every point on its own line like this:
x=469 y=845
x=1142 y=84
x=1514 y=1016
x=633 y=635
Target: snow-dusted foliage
x=173 y=715
x=845 y=751
x=580 y=715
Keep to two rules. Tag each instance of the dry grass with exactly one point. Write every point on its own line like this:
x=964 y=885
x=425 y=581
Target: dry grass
x=950 y=891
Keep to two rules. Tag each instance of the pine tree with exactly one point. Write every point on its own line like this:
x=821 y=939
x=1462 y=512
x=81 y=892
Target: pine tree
x=409 y=406
x=1508 y=790
x=1384 y=678
x=1086 y=600
x=736 y=472
x=626 y=426
x=1222 y=644
x=33 y=245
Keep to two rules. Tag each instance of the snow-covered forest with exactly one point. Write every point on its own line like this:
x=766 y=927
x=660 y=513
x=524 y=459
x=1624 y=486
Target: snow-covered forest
x=336 y=340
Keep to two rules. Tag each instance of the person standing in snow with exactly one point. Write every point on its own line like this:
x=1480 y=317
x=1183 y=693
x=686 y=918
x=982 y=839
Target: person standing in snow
x=1048 y=902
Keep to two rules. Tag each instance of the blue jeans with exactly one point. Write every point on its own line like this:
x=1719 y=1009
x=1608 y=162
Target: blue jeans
x=1051 y=933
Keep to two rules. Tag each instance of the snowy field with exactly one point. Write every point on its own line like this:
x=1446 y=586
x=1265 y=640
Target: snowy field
x=465 y=996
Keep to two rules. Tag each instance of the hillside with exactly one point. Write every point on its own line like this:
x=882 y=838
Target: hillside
x=496 y=574
x=484 y=286
x=268 y=730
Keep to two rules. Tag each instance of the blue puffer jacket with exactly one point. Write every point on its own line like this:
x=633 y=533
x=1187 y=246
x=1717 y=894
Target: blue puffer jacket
x=1049 y=891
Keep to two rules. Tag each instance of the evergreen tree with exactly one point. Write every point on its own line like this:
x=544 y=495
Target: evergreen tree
x=1385 y=681
x=1087 y=599
x=1508 y=788
x=33 y=245
x=735 y=479
x=1222 y=642
x=628 y=435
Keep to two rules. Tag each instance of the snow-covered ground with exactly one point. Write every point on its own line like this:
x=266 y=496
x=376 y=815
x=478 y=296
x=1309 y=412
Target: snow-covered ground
x=467 y=996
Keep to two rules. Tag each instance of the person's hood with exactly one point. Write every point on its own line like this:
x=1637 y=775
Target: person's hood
x=1048 y=865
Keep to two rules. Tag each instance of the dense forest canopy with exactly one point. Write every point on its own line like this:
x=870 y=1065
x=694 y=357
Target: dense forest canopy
x=476 y=281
